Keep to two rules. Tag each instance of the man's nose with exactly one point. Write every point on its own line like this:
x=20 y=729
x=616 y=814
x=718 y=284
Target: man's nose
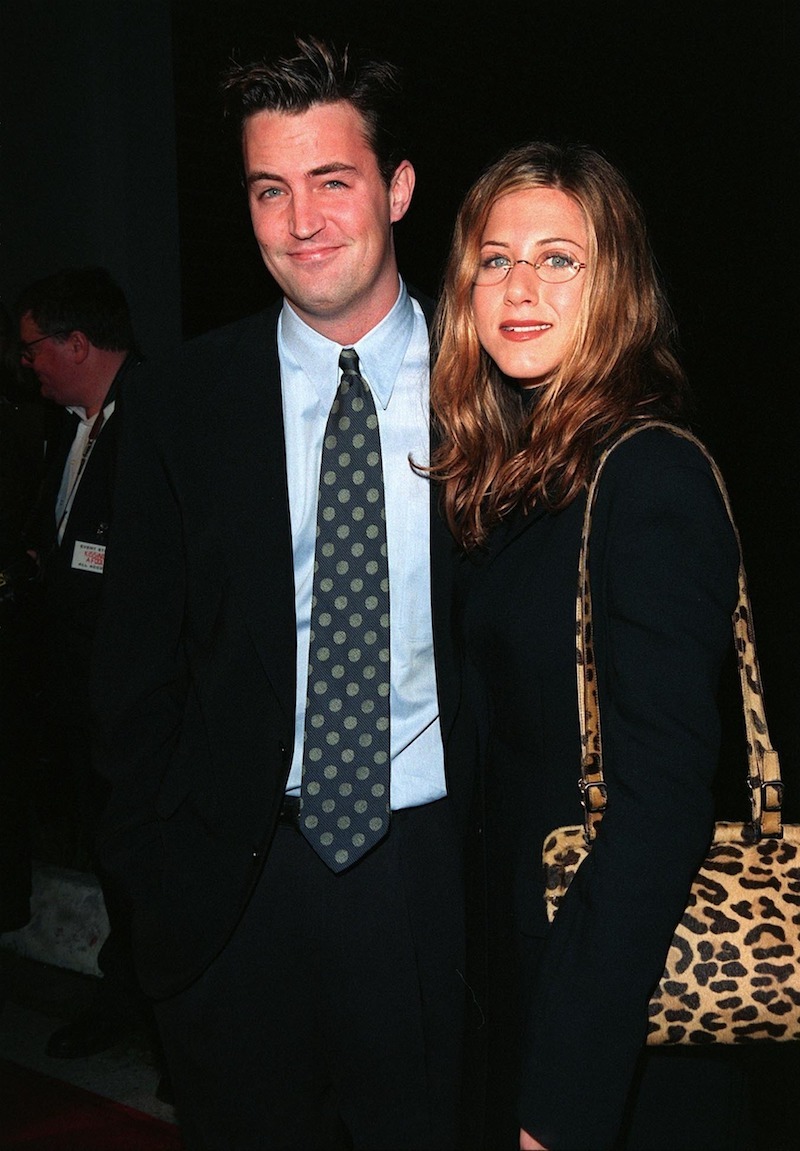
x=306 y=219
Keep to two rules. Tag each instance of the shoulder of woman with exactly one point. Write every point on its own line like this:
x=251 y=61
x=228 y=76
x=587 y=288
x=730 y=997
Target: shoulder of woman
x=657 y=472
x=655 y=448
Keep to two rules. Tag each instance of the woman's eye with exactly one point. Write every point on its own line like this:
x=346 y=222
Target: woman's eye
x=496 y=261
x=557 y=260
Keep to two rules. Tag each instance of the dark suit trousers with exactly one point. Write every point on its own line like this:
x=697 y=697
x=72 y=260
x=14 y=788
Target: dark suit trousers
x=334 y=1015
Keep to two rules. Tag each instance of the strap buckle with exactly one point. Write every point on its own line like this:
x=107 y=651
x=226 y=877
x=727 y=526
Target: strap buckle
x=771 y=792
x=594 y=795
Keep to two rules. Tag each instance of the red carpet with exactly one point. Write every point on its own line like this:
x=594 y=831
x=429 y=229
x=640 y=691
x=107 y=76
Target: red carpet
x=43 y=1114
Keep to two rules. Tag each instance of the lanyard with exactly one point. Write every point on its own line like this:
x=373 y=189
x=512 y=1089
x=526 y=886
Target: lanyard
x=94 y=431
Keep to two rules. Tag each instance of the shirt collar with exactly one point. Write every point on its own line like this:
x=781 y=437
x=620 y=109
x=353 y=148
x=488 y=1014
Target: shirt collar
x=109 y=403
x=380 y=351
x=107 y=409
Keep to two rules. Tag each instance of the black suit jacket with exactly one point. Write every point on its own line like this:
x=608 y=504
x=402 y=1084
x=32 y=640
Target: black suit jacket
x=194 y=678
x=69 y=599
x=663 y=565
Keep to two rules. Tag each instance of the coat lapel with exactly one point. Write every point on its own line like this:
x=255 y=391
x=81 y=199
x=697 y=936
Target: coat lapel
x=252 y=473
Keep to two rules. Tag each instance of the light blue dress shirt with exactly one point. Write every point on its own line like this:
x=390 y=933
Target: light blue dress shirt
x=394 y=360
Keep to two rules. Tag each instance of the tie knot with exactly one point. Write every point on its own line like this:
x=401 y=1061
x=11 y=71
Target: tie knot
x=348 y=360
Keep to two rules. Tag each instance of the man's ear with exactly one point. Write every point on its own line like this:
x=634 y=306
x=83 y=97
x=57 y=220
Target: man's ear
x=401 y=190
x=80 y=345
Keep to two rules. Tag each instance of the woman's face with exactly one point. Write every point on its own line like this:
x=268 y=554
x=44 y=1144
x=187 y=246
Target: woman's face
x=523 y=323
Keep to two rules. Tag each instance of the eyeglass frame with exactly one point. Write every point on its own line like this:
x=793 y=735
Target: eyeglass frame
x=578 y=265
x=25 y=346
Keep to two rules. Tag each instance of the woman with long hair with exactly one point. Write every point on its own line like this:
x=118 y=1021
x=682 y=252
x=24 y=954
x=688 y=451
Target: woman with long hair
x=553 y=336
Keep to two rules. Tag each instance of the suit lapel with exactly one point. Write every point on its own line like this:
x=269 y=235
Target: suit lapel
x=252 y=473
x=443 y=552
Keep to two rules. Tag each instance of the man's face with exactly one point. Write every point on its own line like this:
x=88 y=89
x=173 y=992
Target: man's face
x=322 y=215
x=52 y=361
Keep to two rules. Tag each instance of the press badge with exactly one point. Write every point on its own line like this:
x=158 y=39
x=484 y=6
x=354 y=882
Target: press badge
x=89 y=557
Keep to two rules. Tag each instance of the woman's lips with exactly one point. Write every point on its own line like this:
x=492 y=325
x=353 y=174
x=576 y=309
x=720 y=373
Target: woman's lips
x=524 y=329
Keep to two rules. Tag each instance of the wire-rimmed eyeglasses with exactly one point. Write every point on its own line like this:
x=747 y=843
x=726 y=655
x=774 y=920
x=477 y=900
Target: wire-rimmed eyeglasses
x=551 y=267
x=25 y=353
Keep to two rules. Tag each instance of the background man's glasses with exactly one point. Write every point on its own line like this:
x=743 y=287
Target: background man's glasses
x=26 y=355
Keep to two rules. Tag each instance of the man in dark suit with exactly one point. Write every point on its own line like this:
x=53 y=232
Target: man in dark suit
x=76 y=334
x=305 y=999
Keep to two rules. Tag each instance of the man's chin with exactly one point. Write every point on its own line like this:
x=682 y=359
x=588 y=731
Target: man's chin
x=316 y=307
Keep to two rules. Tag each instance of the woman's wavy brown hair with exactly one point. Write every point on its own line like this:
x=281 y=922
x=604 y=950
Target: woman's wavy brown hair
x=495 y=451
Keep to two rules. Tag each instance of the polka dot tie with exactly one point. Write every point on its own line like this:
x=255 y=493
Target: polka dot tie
x=345 y=790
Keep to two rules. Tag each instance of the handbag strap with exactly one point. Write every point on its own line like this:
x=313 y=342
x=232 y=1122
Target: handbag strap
x=763 y=765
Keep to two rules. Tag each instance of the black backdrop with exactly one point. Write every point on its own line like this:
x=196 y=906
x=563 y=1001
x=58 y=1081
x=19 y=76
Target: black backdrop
x=695 y=102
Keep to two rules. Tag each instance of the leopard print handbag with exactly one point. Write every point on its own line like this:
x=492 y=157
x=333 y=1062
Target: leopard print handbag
x=732 y=973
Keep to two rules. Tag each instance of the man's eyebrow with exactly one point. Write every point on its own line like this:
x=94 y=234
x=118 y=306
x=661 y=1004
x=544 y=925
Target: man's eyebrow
x=322 y=170
x=335 y=166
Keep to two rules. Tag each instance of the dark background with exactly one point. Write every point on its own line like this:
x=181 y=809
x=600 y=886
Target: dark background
x=696 y=103
x=114 y=152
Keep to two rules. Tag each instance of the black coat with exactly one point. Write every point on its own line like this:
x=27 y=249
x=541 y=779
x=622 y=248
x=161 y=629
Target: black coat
x=663 y=564
x=69 y=597
x=194 y=681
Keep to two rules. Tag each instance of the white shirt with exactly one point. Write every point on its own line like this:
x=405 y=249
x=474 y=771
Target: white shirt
x=76 y=463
